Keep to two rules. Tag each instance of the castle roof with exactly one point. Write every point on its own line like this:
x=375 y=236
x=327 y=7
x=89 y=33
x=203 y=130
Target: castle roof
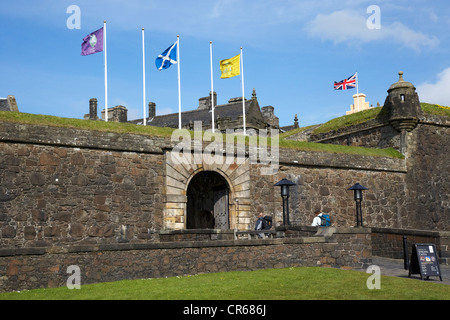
x=4 y=105
x=231 y=110
x=401 y=83
x=226 y=116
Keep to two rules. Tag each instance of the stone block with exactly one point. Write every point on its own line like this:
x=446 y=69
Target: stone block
x=77 y=159
x=29 y=233
x=47 y=159
x=8 y=232
x=37 y=179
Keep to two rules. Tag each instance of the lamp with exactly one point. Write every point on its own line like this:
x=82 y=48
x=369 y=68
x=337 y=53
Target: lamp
x=285 y=185
x=358 y=196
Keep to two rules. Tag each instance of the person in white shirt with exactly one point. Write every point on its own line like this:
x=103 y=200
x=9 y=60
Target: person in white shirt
x=317 y=221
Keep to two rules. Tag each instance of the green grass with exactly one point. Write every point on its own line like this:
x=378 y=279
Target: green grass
x=335 y=148
x=117 y=127
x=301 y=283
x=349 y=120
x=333 y=124
x=37 y=119
x=366 y=115
x=435 y=109
x=294 y=131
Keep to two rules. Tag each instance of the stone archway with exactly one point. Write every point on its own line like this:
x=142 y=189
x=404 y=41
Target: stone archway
x=207 y=202
x=178 y=175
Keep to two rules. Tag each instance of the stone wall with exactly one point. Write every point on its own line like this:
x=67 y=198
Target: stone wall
x=322 y=181
x=364 y=135
x=75 y=186
x=72 y=195
x=388 y=242
x=428 y=179
x=99 y=200
x=27 y=268
x=71 y=186
x=425 y=202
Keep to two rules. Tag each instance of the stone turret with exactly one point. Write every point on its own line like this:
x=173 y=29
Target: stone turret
x=402 y=108
x=402 y=105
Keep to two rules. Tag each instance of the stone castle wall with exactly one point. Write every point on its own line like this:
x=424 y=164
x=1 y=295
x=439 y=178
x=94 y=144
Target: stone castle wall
x=78 y=187
x=100 y=200
x=427 y=202
x=27 y=268
x=322 y=181
x=428 y=179
x=81 y=187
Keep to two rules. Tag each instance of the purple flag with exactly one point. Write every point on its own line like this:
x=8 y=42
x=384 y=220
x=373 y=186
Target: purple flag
x=92 y=43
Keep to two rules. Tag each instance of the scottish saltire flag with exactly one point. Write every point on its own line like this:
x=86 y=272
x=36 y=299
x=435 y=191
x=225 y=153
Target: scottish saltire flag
x=92 y=43
x=167 y=58
x=348 y=83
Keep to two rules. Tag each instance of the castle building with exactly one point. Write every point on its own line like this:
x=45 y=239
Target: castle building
x=8 y=104
x=359 y=103
x=122 y=206
x=226 y=116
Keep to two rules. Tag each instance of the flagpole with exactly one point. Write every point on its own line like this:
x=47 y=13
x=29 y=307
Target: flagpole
x=243 y=99
x=357 y=91
x=179 y=85
x=212 y=86
x=143 y=77
x=106 y=71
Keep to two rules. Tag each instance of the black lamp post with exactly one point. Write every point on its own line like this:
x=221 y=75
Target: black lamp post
x=285 y=185
x=357 y=188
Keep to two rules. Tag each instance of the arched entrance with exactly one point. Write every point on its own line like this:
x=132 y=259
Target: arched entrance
x=231 y=186
x=207 y=202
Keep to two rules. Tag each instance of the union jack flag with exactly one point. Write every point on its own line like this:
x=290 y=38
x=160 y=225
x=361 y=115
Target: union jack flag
x=345 y=84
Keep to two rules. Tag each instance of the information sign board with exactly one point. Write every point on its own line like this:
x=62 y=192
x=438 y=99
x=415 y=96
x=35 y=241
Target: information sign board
x=424 y=261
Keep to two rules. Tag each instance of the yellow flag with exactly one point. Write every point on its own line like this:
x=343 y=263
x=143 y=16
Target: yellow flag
x=230 y=67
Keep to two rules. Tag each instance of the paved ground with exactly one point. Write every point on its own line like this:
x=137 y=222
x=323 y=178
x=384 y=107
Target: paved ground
x=395 y=267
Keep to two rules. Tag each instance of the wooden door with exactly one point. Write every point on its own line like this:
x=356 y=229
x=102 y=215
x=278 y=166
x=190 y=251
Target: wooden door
x=221 y=209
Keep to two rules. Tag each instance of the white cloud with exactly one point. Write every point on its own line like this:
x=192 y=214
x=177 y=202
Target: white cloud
x=350 y=26
x=437 y=92
x=341 y=26
x=410 y=38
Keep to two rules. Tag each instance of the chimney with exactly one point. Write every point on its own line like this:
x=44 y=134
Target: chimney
x=120 y=114
x=270 y=117
x=151 y=110
x=116 y=114
x=12 y=103
x=93 y=109
x=205 y=102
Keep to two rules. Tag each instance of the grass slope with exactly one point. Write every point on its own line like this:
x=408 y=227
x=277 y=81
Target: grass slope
x=303 y=283
x=366 y=115
x=116 y=127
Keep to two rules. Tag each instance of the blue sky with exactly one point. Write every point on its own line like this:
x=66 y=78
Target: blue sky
x=293 y=52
